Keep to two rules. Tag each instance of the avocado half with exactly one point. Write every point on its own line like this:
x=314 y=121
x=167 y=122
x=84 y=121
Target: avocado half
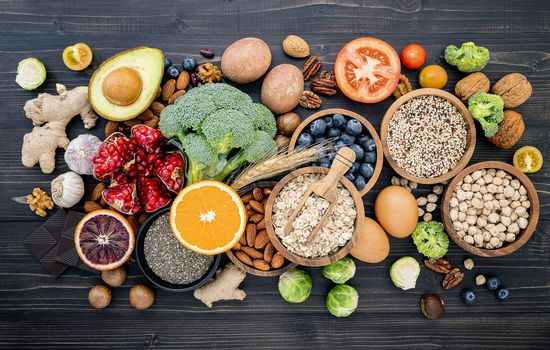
x=116 y=95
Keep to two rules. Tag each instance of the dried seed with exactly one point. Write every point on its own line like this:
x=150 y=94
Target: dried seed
x=268 y=252
x=156 y=107
x=256 y=218
x=277 y=261
x=134 y=222
x=153 y=122
x=257 y=194
x=246 y=198
x=261 y=265
x=97 y=191
x=90 y=206
x=207 y=53
x=245 y=259
x=147 y=114
x=175 y=96
x=110 y=128
x=253 y=253
x=183 y=81
x=132 y=122
x=168 y=89
x=261 y=225
x=267 y=191
x=257 y=206
x=261 y=240
x=250 y=234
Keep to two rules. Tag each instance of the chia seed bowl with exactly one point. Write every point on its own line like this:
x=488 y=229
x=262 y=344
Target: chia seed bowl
x=428 y=136
x=144 y=261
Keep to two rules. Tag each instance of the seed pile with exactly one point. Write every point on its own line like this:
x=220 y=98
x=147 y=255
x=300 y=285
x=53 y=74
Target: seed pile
x=427 y=136
x=168 y=259
x=337 y=230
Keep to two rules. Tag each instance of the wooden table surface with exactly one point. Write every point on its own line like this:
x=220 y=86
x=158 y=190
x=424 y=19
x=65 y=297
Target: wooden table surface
x=39 y=311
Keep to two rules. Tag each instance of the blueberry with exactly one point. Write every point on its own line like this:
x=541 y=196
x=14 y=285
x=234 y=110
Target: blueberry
x=304 y=139
x=333 y=132
x=366 y=170
x=369 y=145
x=324 y=162
x=370 y=157
x=339 y=144
x=167 y=63
x=318 y=127
x=350 y=176
x=354 y=167
x=328 y=122
x=188 y=63
x=493 y=283
x=359 y=153
x=347 y=139
x=360 y=182
x=173 y=72
x=503 y=294
x=339 y=120
x=362 y=139
x=468 y=296
x=354 y=127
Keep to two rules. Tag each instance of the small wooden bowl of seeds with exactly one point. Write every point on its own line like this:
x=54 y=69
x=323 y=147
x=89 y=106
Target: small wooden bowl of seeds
x=428 y=136
x=490 y=209
x=337 y=235
x=255 y=253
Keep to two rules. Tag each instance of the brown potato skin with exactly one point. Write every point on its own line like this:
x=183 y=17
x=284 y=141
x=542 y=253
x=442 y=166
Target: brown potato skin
x=282 y=88
x=246 y=60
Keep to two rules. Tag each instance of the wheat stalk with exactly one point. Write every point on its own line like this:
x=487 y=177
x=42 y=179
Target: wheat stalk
x=281 y=162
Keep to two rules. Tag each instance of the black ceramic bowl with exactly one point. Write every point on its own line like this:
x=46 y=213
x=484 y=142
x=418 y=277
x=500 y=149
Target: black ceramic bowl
x=151 y=276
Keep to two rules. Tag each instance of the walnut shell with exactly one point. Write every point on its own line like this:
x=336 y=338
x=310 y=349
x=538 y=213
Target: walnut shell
x=514 y=89
x=510 y=130
x=475 y=82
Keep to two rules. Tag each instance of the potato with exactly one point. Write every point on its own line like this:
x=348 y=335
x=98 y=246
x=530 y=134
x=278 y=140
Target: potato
x=282 y=88
x=246 y=60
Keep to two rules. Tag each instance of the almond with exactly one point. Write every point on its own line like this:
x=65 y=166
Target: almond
x=261 y=225
x=245 y=259
x=183 y=81
x=256 y=218
x=146 y=114
x=250 y=234
x=134 y=222
x=250 y=212
x=257 y=206
x=261 y=240
x=110 y=128
x=156 y=107
x=277 y=261
x=97 y=191
x=168 y=89
x=266 y=191
x=159 y=92
x=242 y=241
x=103 y=203
x=90 y=206
x=246 y=198
x=175 y=96
x=237 y=246
x=268 y=252
x=253 y=253
x=143 y=217
x=258 y=194
x=261 y=265
x=153 y=122
x=132 y=122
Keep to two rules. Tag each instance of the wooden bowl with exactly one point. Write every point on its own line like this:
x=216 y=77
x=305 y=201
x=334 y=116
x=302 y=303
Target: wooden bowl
x=250 y=269
x=521 y=238
x=470 y=126
x=325 y=260
x=362 y=120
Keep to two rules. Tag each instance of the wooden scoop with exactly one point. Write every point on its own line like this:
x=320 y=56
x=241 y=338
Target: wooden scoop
x=325 y=188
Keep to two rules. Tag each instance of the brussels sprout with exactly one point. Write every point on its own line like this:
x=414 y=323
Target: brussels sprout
x=340 y=271
x=404 y=272
x=31 y=73
x=295 y=285
x=342 y=300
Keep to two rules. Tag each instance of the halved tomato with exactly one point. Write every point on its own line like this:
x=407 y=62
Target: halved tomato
x=367 y=70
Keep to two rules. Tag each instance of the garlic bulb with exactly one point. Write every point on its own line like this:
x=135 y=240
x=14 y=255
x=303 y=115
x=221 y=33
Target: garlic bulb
x=80 y=152
x=67 y=189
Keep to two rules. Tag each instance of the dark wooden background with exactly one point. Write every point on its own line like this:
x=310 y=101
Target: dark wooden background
x=38 y=311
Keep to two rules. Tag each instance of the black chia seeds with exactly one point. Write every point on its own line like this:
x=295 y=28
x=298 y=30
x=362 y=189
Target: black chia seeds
x=168 y=259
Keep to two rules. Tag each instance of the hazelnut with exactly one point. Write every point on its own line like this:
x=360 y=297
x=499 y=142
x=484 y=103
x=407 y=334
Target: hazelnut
x=282 y=141
x=99 y=297
x=432 y=306
x=468 y=263
x=115 y=277
x=141 y=297
x=288 y=123
x=122 y=86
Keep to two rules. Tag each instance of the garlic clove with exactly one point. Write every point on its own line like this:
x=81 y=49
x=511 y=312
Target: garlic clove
x=67 y=189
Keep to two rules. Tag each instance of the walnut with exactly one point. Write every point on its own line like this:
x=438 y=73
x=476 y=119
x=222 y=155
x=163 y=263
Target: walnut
x=475 y=82
x=514 y=89
x=510 y=130
x=403 y=87
x=39 y=201
x=210 y=73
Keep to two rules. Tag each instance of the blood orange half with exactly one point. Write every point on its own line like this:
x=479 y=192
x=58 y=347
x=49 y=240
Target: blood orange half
x=104 y=240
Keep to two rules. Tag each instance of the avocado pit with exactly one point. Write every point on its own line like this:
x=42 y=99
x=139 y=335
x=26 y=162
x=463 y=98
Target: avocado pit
x=122 y=86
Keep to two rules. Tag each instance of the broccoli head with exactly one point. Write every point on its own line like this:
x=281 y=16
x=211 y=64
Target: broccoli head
x=226 y=129
x=469 y=58
x=263 y=120
x=430 y=239
x=199 y=155
x=488 y=110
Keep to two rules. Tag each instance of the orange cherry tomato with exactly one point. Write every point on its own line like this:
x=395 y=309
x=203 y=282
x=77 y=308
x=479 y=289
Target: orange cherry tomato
x=433 y=76
x=77 y=57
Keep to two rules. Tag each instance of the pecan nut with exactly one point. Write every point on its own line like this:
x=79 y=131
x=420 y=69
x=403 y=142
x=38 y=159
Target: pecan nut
x=310 y=100
x=325 y=84
x=311 y=67
x=453 y=278
x=440 y=265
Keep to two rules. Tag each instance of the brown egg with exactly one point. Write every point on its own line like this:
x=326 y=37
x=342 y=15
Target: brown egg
x=372 y=245
x=396 y=211
x=122 y=86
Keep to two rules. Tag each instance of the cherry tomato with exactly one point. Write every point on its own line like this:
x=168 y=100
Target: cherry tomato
x=432 y=76
x=413 y=56
x=367 y=70
x=77 y=57
x=528 y=159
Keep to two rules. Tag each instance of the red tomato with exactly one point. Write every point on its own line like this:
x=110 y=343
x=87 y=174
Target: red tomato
x=367 y=70
x=413 y=56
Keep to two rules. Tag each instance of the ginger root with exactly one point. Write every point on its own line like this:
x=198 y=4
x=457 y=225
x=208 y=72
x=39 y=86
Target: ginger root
x=50 y=114
x=224 y=287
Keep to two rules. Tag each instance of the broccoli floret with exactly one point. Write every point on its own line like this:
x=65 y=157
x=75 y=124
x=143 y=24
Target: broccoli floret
x=430 y=239
x=168 y=123
x=199 y=156
x=226 y=129
x=487 y=109
x=190 y=112
x=469 y=58
x=263 y=120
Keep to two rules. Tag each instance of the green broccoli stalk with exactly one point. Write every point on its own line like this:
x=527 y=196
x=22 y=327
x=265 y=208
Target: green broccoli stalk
x=199 y=156
x=488 y=110
x=469 y=58
x=430 y=239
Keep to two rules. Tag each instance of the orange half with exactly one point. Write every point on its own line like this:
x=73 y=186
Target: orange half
x=208 y=217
